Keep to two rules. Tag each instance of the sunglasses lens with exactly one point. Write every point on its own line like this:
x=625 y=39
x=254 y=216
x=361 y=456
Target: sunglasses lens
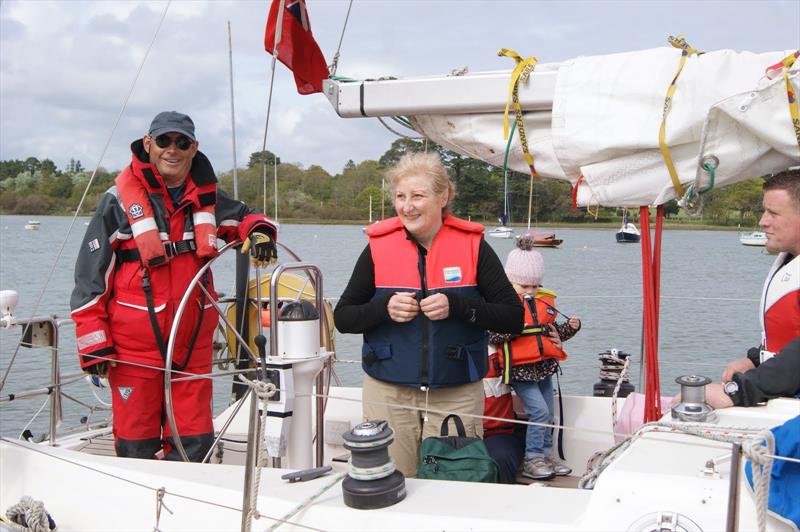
x=163 y=141
x=182 y=142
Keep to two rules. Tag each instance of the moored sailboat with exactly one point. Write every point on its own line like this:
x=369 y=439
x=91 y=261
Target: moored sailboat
x=628 y=233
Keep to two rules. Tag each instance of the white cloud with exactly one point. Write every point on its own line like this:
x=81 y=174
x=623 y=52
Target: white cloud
x=66 y=67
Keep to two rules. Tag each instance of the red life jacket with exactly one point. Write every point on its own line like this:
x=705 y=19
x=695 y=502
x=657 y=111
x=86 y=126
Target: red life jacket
x=423 y=352
x=134 y=185
x=498 y=402
x=534 y=344
x=780 y=303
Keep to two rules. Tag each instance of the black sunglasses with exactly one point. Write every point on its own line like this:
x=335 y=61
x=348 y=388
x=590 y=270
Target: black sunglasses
x=182 y=142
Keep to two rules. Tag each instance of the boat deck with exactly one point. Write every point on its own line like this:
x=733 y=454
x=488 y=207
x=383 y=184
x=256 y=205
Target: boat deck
x=103 y=445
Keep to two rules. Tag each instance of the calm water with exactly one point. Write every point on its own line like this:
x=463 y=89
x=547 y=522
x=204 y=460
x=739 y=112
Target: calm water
x=710 y=285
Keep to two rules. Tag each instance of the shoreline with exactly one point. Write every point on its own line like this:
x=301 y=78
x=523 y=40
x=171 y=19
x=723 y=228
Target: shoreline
x=668 y=225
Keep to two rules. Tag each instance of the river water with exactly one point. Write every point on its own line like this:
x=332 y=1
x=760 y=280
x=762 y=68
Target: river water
x=710 y=286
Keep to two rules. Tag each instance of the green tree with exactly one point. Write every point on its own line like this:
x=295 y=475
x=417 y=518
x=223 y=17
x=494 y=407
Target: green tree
x=31 y=165
x=11 y=168
x=259 y=157
x=399 y=148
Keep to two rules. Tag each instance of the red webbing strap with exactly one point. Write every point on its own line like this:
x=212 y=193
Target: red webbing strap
x=651 y=280
x=575 y=192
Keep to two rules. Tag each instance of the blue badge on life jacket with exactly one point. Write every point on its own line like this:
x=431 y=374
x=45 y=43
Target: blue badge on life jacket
x=452 y=274
x=551 y=311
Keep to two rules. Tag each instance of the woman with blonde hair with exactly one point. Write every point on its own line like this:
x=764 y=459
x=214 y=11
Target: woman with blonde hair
x=423 y=293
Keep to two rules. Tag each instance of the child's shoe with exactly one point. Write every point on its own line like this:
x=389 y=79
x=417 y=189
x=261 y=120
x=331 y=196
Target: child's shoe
x=560 y=468
x=538 y=469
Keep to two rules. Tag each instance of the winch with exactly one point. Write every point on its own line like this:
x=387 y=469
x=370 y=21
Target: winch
x=373 y=481
x=613 y=370
x=693 y=406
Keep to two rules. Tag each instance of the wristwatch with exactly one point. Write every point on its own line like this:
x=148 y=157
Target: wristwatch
x=731 y=388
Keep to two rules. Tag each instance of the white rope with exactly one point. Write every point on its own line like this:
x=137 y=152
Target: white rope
x=262 y=391
x=159 y=505
x=759 y=451
x=621 y=377
x=29 y=515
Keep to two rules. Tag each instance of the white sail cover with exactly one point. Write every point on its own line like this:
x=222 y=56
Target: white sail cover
x=606 y=115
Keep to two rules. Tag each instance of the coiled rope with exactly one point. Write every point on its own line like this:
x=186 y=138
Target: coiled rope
x=28 y=515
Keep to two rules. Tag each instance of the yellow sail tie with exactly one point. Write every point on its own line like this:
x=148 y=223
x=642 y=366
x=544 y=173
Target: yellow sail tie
x=788 y=61
x=686 y=50
x=521 y=73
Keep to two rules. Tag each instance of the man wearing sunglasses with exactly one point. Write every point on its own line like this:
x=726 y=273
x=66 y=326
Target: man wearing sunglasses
x=151 y=234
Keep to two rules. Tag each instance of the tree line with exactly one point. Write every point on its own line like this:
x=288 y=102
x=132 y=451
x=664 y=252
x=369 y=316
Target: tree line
x=313 y=194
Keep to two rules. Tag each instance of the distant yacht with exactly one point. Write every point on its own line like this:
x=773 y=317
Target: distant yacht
x=628 y=233
x=755 y=238
x=33 y=225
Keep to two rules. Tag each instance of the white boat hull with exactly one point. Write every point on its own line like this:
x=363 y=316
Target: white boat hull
x=756 y=238
x=659 y=472
x=501 y=232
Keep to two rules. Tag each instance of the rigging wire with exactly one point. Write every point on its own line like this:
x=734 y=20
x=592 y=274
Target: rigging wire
x=335 y=63
x=278 y=27
x=88 y=185
x=401 y=135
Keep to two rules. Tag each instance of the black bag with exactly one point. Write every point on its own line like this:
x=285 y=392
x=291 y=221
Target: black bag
x=456 y=457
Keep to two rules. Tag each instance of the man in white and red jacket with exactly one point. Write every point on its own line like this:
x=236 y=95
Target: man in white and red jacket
x=779 y=311
x=150 y=235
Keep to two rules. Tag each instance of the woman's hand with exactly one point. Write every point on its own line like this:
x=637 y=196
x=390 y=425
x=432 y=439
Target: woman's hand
x=435 y=307
x=403 y=307
x=575 y=323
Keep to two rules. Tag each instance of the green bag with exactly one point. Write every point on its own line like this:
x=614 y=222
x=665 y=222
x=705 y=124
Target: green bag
x=455 y=457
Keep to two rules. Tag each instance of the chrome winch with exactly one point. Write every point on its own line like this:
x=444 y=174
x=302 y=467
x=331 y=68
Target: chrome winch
x=693 y=406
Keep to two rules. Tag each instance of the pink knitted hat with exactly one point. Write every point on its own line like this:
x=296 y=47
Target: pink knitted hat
x=525 y=265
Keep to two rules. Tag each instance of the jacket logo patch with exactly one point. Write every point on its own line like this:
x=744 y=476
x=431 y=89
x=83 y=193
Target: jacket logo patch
x=94 y=245
x=125 y=392
x=136 y=211
x=551 y=311
x=452 y=274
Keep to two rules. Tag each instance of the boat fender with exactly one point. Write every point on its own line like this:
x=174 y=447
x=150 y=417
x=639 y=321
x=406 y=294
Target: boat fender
x=372 y=481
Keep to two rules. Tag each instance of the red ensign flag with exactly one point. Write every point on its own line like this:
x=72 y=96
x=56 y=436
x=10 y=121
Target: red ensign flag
x=297 y=48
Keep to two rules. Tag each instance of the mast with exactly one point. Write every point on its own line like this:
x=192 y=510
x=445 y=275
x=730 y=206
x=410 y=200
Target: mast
x=275 y=178
x=233 y=116
x=383 y=197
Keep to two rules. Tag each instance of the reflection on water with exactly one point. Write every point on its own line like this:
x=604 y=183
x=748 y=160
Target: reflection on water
x=710 y=285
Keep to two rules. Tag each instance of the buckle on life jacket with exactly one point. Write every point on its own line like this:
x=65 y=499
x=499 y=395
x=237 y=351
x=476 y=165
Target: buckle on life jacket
x=180 y=247
x=172 y=249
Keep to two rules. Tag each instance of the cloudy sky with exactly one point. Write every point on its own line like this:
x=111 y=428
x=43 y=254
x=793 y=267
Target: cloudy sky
x=66 y=67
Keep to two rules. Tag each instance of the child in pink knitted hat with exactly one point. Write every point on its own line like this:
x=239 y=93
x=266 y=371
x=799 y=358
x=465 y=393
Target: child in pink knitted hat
x=529 y=360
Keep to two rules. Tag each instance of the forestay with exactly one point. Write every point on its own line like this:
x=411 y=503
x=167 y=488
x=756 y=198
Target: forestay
x=605 y=117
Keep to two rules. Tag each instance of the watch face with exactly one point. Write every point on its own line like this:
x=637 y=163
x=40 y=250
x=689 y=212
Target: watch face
x=731 y=387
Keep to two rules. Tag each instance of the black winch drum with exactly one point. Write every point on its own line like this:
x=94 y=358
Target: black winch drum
x=373 y=481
